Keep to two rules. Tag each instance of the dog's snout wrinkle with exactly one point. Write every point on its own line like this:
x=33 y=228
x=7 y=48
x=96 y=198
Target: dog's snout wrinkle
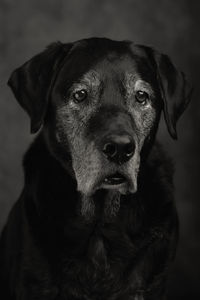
x=118 y=148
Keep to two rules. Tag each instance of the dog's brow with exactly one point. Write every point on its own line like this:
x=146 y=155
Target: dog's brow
x=91 y=78
x=132 y=82
x=144 y=86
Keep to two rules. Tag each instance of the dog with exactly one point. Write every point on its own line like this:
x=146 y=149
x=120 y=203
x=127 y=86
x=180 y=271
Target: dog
x=96 y=218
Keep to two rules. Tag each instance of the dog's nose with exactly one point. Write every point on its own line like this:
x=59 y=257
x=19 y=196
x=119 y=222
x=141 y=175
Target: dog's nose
x=119 y=148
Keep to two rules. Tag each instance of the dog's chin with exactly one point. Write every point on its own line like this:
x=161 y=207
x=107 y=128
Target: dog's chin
x=104 y=201
x=110 y=190
x=102 y=192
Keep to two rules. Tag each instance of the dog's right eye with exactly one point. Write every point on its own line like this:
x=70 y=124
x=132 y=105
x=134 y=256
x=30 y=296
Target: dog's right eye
x=80 y=95
x=142 y=97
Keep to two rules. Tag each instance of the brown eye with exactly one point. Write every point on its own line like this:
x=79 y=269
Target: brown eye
x=141 y=97
x=79 y=96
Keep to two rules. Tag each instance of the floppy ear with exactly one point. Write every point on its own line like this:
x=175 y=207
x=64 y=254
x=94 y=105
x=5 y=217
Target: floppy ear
x=175 y=91
x=31 y=83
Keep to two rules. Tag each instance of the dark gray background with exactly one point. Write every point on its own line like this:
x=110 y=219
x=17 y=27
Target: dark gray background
x=26 y=27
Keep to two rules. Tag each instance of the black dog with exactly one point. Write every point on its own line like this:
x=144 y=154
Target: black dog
x=96 y=218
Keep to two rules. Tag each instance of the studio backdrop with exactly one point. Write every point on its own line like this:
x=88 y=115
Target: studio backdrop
x=27 y=27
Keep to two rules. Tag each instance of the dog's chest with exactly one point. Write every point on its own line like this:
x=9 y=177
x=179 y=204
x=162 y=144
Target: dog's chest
x=101 y=271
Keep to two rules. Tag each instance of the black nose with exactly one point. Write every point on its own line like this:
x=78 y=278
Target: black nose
x=119 y=148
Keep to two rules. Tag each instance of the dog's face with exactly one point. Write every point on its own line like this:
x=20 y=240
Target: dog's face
x=100 y=101
x=102 y=116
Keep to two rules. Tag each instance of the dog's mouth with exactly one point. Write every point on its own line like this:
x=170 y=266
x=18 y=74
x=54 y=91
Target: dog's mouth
x=114 y=179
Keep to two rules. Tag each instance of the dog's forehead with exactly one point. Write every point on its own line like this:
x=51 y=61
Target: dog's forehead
x=111 y=68
x=114 y=66
x=121 y=60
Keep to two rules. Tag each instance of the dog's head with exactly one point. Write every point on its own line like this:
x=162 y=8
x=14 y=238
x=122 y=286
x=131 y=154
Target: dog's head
x=100 y=101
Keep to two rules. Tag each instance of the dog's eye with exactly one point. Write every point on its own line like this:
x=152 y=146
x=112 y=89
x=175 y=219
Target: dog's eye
x=142 y=97
x=79 y=96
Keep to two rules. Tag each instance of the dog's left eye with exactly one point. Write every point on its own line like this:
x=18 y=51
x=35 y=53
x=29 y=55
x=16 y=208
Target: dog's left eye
x=142 y=97
x=79 y=96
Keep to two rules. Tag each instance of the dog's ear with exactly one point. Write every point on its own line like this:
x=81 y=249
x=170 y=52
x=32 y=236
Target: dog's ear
x=174 y=88
x=31 y=83
x=175 y=91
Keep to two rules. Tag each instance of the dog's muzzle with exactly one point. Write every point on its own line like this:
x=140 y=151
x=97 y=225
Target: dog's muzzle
x=110 y=157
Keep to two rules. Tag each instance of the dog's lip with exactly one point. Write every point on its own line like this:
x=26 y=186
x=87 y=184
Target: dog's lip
x=114 y=179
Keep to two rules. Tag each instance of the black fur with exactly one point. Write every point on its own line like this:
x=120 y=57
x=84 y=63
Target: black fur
x=47 y=249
